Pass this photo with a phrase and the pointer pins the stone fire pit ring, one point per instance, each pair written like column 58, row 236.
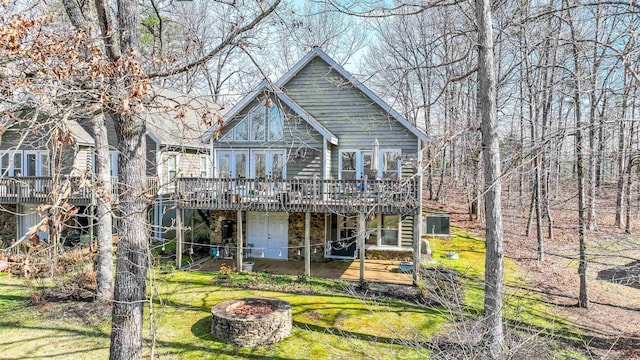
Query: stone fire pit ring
column 251, row 321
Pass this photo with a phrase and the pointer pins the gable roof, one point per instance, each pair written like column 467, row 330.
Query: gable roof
column 316, row 52
column 264, row 85
column 177, row 120
column 31, row 108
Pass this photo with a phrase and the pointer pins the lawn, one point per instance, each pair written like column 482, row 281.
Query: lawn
column 324, row 326
column 327, row 324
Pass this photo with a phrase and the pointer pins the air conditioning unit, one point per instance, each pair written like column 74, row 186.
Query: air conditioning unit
column 437, row 224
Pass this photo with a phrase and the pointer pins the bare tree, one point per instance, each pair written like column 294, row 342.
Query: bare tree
column 487, row 84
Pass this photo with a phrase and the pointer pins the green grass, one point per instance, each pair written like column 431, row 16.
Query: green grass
column 523, row 308
column 327, row 323
column 325, row 326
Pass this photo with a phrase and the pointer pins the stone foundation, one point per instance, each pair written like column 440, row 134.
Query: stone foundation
column 251, row 330
column 389, row 255
column 8, row 225
column 216, row 217
column 296, row 237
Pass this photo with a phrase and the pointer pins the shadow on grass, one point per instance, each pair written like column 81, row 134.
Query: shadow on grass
column 202, row 330
column 354, row 335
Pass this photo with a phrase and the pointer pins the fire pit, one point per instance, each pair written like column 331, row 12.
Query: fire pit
column 251, row 321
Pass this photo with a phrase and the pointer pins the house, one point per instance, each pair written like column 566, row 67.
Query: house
column 314, row 164
column 175, row 124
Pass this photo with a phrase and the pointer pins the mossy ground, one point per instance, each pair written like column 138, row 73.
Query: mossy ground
column 327, row 323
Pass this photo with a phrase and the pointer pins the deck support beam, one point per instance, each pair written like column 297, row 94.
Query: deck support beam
column 307, row 244
column 361, row 236
column 179, row 237
column 239, row 240
column 417, row 233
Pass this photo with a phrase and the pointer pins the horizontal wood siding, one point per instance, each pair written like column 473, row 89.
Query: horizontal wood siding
column 151, row 157
column 306, row 166
column 345, row 111
column 24, row 139
column 327, row 161
column 188, row 164
column 81, row 160
column 407, row 231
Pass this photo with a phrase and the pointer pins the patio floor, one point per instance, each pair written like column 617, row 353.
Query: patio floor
column 375, row 270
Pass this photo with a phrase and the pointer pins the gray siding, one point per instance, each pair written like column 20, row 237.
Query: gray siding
column 346, row 112
column 407, row 231
column 305, row 167
column 21, row 140
column 151, row 157
column 188, row 163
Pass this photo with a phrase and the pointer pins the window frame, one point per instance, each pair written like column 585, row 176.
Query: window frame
column 381, row 163
column 176, row 156
column 233, row 166
column 10, row 170
column 206, row 161
column 260, row 111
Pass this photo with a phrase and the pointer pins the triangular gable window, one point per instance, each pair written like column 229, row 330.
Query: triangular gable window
column 263, row 123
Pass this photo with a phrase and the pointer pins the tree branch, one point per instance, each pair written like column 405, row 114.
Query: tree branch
column 225, row 42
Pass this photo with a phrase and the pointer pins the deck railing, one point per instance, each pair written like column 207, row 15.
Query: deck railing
column 299, row 195
column 40, row 189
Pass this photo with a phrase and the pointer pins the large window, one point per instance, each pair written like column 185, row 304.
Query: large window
column 383, row 231
column 231, row 164
column 390, row 230
column 257, row 164
column 263, row 123
column 391, row 163
column 25, row 163
column 356, row 164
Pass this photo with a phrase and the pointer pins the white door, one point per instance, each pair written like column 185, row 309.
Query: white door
column 268, row 233
column 270, row 164
column 28, row 219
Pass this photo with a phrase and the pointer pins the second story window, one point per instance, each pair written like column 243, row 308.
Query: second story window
column 205, row 169
column 391, row 164
column 263, row 123
column 11, row 163
column 172, row 167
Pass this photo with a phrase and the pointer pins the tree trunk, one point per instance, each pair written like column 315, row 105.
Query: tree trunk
column 103, row 225
column 104, row 260
column 621, row 158
column 628, row 189
column 133, row 249
column 494, row 337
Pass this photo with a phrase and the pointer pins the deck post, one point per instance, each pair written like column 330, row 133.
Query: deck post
column 178, row 237
column 361, row 236
column 307, row 244
column 239, row 240
column 417, row 232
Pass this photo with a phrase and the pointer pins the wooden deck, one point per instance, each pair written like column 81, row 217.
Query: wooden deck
column 384, row 271
column 38, row 190
column 388, row 196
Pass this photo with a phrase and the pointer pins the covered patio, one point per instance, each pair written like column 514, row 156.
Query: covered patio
column 385, row 271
